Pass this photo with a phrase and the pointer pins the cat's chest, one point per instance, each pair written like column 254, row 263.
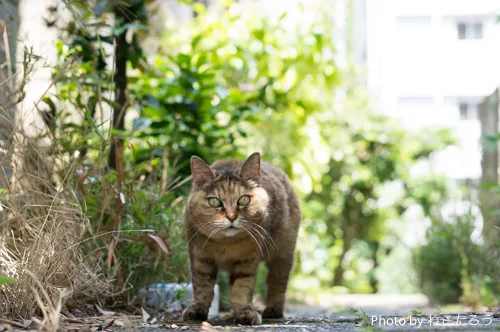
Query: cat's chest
column 226, row 256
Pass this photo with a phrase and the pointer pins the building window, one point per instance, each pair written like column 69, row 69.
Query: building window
column 461, row 30
column 468, row 111
column 478, row 31
column 470, row 30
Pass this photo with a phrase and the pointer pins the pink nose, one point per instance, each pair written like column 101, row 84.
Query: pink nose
column 231, row 217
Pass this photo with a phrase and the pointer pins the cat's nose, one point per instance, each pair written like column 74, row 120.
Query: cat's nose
column 231, row 216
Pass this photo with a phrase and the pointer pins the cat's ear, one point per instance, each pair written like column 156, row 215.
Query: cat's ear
column 251, row 168
column 202, row 173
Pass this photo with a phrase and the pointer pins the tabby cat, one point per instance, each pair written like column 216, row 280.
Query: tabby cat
column 239, row 213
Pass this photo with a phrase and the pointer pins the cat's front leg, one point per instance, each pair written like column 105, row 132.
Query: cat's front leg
column 277, row 281
column 203, row 277
column 242, row 281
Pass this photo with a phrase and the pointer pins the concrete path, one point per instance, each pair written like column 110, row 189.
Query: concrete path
column 441, row 322
column 348, row 312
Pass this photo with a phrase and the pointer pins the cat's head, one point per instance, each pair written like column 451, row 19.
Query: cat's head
column 226, row 199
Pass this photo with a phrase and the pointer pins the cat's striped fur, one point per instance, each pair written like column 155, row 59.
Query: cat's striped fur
column 236, row 237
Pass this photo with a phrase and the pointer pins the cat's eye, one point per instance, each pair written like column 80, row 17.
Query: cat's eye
column 244, row 200
column 214, row 202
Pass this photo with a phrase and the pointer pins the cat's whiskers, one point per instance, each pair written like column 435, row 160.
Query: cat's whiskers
column 266, row 242
column 213, row 233
column 199, row 230
column 268, row 235
column 256, row 233
column 253, row 237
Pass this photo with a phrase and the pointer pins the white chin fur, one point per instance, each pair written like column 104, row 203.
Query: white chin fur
column 231, row 231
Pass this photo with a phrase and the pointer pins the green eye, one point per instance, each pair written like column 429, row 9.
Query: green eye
column 214, row 202
column 244, row 200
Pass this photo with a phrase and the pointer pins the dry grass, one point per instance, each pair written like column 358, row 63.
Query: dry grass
column 41, row 221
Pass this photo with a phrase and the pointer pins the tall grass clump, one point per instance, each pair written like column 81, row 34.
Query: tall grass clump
column 41, row 220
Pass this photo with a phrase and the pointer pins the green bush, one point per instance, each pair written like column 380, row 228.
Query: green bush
column 218, row 87
column 448, row 260
column 199, row 97
column 135, row 210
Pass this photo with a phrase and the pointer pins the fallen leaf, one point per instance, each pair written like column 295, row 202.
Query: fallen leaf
column 119, row 323
column 109, row 323
column 145, row 315
column 104, row 312
column 206, row 326
column 153, row 320
column 27, row 322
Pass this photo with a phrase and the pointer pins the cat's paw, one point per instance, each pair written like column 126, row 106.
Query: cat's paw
column 270, row 312
column 247, row 317
column 194, row 314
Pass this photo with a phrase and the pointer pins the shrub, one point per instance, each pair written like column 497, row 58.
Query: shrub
column 448, row 260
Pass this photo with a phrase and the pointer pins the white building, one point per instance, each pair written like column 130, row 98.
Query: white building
column 430, row 62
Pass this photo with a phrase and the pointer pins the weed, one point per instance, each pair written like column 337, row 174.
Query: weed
column 415, row 312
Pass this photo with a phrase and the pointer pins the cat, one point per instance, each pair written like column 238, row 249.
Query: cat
column 238, row 214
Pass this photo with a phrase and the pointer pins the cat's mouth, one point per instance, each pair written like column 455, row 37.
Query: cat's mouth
column 231, row 231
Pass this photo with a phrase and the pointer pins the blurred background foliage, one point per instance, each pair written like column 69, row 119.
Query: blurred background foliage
column 227, row 84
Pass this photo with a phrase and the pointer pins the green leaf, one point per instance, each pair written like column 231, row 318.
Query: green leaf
column 195, row 41
column 415, row 312
column 51, row 104
column 154, row 113
column 6, row 280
